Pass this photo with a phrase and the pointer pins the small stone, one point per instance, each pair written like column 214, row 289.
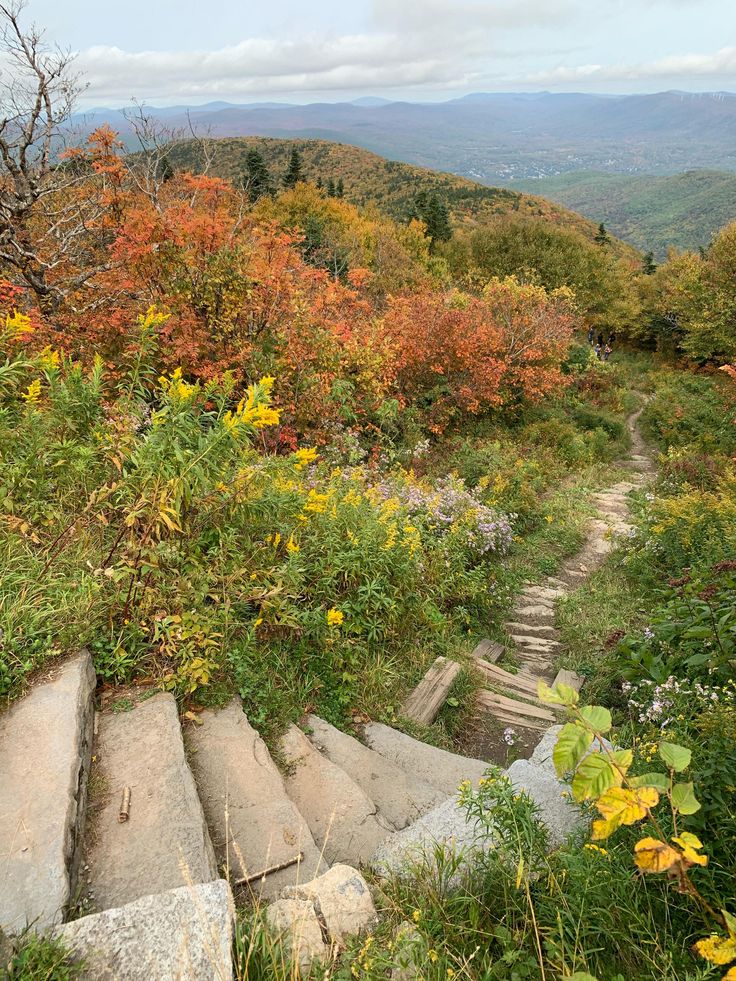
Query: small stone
column 183, row 933
column 342, row 900
column 294, row 924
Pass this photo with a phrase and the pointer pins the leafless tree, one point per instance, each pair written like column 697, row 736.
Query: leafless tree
column 48, row 233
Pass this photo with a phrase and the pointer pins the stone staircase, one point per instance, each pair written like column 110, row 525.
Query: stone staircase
column 148, row 830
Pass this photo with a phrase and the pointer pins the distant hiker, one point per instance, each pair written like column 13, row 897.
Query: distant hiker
column 612, row 338
column 607, row 352
column 598, row 350
column 591, row 335
column 600, row 340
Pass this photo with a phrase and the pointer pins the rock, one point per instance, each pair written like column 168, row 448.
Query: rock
column 164, row 843
column 343, row 820
column 555, row 807
column 45, row 745
column 534, row 610
column 400, row 796
column 544, row 592
column 341, row 899
column 294, row 924
column 409, row 953
column 443, row 770
column 254, row 824
column 182, row 933
column 569, row 678
column 542, row 755
column 530, row 628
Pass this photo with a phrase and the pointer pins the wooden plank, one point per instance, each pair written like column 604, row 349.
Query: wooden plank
column 511, row 719
column 526, row 684
column 513, row 706
column 569, row 678
column 488, row 650
column 424, row 703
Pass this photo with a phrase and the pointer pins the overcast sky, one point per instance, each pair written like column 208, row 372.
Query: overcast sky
column 173, row 51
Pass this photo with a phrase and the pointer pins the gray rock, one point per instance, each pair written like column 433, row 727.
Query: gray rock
column 294, row 924
column 182, row 933
column 254, row 823
column 542, row 755
column 401, row 797
column 341, row 900
column 443, row 770
column 45, row 744
column 343, row 820
column 164, row 843
column 556, row 809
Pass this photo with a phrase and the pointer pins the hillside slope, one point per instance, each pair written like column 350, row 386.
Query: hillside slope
column 651, row 212
column 389, row 185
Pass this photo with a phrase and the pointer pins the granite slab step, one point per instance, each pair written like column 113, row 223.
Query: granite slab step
column 164, row 843
column 401, row 797
column 438, row 767
column 344, row 821
column 254, row 823
column 45, row 747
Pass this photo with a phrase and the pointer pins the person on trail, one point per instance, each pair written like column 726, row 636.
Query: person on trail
column 600, row 339
column 598, row 350
column 612, row 338
column 591, row 335
column 607, row 352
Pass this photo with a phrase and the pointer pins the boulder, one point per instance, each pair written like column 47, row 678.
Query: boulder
column 341, row 900
column 293, row 923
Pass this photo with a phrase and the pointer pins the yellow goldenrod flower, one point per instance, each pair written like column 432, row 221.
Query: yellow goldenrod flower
column 291, row 545
column 335, row 618
column 304, row 457
column 18, row 324
column 49, row 358
column 32, row 393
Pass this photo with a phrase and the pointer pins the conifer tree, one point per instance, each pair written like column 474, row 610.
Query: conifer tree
column 294, row 174
column 648, row 265
column 330, row 188
column 257, row 177
column 602, row 237
column 340, row 188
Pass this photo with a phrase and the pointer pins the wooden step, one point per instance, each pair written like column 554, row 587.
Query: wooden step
column 164, row 843
column 512, row 706
column 45, row 746
column 488, row 650
column 525, row 684
column 424, row 703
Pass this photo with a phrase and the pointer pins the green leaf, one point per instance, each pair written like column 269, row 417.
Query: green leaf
column 676, row 757
column 597, row 717
column 571, row 745
column 594, row 776
column 623, row 758
column 683, row 798
column 660, row 781
column 579, row 976
column 559, row 694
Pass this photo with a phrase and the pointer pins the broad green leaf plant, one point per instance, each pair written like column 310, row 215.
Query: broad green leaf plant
column 600, row 775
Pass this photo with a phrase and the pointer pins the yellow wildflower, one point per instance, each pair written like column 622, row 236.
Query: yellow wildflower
column 258, row 622
column 291, row 545
column 316, row 502
column 335, row 618
column 416, row 915
column 32, row 393
column 18, row 324
column 49, row 358
column 304, row 457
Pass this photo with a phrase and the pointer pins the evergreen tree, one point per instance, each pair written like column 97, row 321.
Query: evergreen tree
column 257, row 177
column 648, row 265
column 435, row 215
column 330, row 188
column 340, row 188
column 602, row 237
column 319, row 184
column 165, row 170
column 294, row 172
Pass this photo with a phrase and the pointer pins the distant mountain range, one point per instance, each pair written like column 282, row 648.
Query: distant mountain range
column 496, row 138
column 651, row 212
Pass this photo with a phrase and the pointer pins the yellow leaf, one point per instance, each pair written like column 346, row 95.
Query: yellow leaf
column 717, row 950
column 619, row 805
column 655, row 856
column 689, row 843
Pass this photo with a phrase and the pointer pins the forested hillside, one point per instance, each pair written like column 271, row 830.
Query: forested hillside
column 653, row 213
column 367, row 179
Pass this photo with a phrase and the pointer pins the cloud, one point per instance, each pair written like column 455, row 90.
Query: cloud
column 718, row 64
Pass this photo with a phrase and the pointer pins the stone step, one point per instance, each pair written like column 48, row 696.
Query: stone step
column 164, row 843
column 535, row 612
column 538, row 643
column 534, row 600
column 511, row 706
column 449, row 826
column 530, row 628
column 569, row 678
column 182, row 933
column 343, row 820
column 424, row 703
column 544, row 593
column 254, row 824
column 442, row 769
column 489, row 650
column 523, row 683
column 400, row 796
column 45, row 746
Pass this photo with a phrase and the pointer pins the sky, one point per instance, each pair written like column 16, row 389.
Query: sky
column 168, row 52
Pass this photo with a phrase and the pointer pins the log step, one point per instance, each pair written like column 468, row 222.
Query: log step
column 523, row 683
column 512, row 706
column 424, row 703
column 488, row 650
